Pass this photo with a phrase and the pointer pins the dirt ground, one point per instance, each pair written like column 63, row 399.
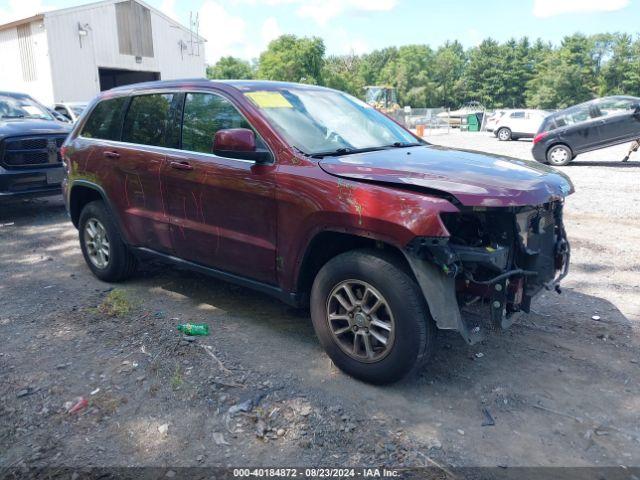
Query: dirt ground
column 561, row 385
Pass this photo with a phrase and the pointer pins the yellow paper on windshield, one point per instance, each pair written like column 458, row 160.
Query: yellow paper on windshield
column 265, row 99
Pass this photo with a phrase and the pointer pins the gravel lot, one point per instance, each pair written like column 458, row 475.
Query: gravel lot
column 561, row 384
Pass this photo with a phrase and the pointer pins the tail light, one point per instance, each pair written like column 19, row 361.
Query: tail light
column 539, row 137
column 63, row 155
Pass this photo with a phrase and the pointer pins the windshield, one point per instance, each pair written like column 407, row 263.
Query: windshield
column 22, row 107
column 317, row 121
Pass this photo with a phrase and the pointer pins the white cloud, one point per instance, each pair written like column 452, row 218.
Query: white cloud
column 321, row 11
column 19, row 9
column 270, row 30
column 374, row 5
column 225, row 33
column 168, row 7
column 341, row 41
column 550, row 8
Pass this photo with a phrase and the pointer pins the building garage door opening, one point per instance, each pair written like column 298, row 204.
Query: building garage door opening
column 111, row 77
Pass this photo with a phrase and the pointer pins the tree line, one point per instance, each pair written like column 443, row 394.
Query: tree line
column 515, row 73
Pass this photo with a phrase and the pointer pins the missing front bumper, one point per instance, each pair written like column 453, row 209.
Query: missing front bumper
column 521, row 253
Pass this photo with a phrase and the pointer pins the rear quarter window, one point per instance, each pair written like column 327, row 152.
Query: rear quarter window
column 105, row 121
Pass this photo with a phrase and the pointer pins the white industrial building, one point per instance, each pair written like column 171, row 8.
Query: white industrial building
column 72, row 54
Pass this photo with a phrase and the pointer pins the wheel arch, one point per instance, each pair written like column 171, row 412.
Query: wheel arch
column 437, row 288
column 83, row 192
column 327, row 244
column 557, row 143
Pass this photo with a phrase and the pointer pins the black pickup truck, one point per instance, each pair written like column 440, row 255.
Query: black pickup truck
column 30, row 141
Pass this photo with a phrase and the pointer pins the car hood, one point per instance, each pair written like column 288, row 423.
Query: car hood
column 474, row 179
column 9, row 128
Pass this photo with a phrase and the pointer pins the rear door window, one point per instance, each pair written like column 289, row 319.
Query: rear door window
column 517, row 115
column 574, row 115
column 105, row 121
column 204, row 115
column 149, row 120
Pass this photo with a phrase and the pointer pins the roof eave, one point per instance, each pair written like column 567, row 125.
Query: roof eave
column 22, row 21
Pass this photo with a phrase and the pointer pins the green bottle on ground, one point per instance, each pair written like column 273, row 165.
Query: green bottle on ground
column 194, row 328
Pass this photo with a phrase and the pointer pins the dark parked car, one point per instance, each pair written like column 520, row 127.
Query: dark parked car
column 600, row 123
column 30, row 141
column 313, row 196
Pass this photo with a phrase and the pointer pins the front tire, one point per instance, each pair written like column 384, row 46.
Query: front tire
column 559, row 155
column 371, row 317
column 504, row 134
column 102, row 247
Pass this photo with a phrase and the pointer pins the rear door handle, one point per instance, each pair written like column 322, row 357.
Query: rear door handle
column 181, row 165
column 110, row 154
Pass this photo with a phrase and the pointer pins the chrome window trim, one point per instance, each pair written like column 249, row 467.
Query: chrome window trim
column 153, row 148
column 175, row 90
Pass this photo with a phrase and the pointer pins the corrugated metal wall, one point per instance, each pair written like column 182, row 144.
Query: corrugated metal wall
column 24, row 61
column 27, row 57
column 75, row 60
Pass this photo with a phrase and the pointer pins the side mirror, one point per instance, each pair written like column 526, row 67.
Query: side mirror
column 239, row 143
column 60, row 117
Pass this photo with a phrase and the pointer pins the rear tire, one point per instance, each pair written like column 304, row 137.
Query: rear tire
column 401, row 319
column 559, row 155
column 102, row 247
column 504, row 134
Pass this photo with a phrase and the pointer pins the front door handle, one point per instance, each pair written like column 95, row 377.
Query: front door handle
column 110, row 154
column 181, row 165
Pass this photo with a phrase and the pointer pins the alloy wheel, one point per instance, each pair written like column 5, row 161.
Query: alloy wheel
column 97, row 243
column 360, row 321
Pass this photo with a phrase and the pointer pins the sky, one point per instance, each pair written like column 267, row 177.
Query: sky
column 243, row 28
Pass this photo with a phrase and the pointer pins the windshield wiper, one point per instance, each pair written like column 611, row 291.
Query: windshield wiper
column 346, row 151
column 300, row 151
column 11, row 116
column 405, row 144
column 349, row 150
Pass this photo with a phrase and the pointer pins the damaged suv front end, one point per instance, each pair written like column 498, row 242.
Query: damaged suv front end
column 496, row 259
column 505, row 241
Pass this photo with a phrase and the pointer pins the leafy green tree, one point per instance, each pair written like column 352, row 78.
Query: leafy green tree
column 508, row 74
column 621, row 74
column 373, row 63
column 485, row 73
column 566, row 76
column 342, row 72
column 448, row 74
column 409, row 74
column 292, row 59
column 230, row 68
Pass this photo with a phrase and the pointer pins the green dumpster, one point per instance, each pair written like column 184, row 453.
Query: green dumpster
column 473, row 123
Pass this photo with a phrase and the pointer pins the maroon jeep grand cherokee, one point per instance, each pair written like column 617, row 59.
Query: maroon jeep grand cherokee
column 312, row 196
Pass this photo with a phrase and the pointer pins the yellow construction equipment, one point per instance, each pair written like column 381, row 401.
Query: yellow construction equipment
column 382, row 97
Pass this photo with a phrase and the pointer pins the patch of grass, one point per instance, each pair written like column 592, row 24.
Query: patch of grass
column 116, row 304
column 176, row 379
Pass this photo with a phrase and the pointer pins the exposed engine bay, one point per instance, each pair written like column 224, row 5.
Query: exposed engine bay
column 500, row 258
